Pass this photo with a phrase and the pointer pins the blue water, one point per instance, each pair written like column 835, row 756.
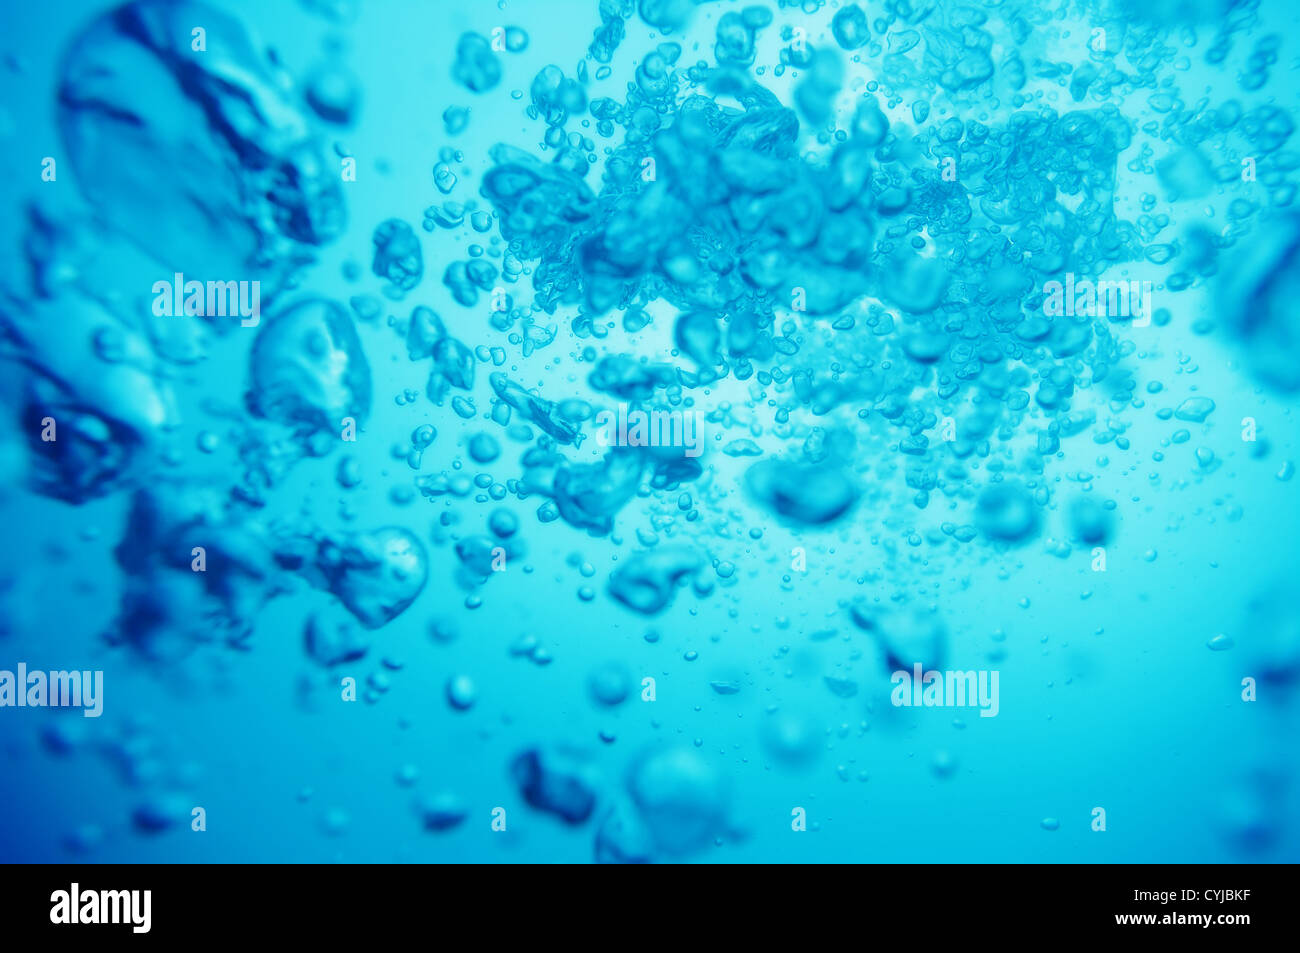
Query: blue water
column 370, row 575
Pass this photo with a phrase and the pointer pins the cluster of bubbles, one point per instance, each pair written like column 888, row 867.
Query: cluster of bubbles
column 871, row 277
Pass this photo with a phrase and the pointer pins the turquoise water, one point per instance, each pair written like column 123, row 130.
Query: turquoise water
column 370, row 574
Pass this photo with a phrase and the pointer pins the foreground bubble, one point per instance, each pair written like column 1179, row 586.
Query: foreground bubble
column 194, row 568
column 622, row 838
column 1007, row 512
column 442, row 812
column 907, row 635
column 681, row 798
column 556, row 781
column 308, row 370
column 217, row 141
column 792, row 738
column 808, row 494
column 1090, row 520
column 1256, row 295
column 647, row 581
column 93, row 396
column 398, row 256
column 476, row 66
column 609, row 684
column 376, row 575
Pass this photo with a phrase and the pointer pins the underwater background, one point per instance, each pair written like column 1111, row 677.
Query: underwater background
column 370, row 580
